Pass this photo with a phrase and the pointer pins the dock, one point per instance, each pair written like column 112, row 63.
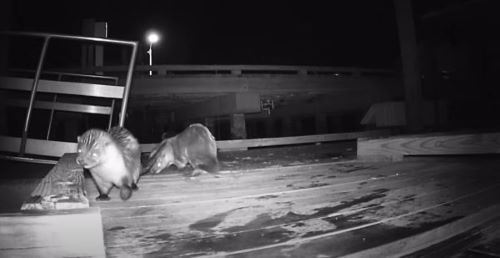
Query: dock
column 326, row 209
column 316, row 200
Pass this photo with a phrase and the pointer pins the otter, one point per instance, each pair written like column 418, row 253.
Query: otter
column 113, row 158
column 194, row 146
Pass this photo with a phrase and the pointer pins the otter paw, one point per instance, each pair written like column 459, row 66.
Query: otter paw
column 196, row 172
column 102, row 197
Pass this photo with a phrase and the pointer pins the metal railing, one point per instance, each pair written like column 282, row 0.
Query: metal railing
column 250, row 70
column 46, row 39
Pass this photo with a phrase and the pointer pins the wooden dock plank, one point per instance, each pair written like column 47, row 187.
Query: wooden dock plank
column 62, row 188
column 276, row 217
column 222, row 215
column 255, row 239
column 395, row 148
column 69, row 233
column 252, row 183
column 356, row 234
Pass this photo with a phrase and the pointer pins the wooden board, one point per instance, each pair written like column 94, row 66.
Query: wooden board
column 220, row 106
column 329, row 209
column 63, row 87
column 424, row 240
column 277, row 141
column 62, row 188
column 395, row 148
column 71, row 233
column 37, row 146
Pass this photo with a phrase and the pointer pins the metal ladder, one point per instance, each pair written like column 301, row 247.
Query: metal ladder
column 47, row 147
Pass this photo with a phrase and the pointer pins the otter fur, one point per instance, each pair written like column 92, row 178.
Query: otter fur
column 194, row 146
column 113, row 158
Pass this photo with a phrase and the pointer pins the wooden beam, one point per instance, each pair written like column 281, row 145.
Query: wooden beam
column 62, row 188
column 265, row 142
column 70, row 233
column 219, row 70
column 409, row 58
column 395, row 148
column 63, row 87
column 264, row 84
column 70, row 107
column 37, row 146
column 223, row 105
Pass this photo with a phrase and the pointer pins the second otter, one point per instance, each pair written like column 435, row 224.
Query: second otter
column 195, row 145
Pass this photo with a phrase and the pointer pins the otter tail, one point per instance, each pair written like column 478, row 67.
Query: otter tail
column 125, row 189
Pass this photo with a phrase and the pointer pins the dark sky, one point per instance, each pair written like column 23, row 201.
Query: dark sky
column 341, row 33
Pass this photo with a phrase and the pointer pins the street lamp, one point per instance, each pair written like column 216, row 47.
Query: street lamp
column 152, row 37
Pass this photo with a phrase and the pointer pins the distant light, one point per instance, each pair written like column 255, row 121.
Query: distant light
column 153, row 37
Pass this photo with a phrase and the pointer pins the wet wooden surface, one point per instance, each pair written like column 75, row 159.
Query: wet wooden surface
column 52, row 233
column 62, row 188
column 323, row 206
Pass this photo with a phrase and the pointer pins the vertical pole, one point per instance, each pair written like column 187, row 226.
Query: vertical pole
column 33, row 94
column 110, row 122
column 409, row 58
column 127, row 85
column 150, row 52
column 54, row 100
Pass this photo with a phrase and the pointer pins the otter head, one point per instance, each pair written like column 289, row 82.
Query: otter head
column 90, row 148
column 161, row 158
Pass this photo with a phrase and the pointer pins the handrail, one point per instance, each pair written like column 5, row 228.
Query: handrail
column 164, row 70
column 67, row 36
column 46, row 37
column 61, row 74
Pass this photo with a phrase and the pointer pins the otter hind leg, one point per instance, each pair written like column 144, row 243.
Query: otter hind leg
column 126, row 188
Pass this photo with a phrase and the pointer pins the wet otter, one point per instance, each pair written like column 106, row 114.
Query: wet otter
column 195, row 145
column 113, row 158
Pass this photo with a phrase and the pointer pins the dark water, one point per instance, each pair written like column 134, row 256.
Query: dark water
column 17, row 181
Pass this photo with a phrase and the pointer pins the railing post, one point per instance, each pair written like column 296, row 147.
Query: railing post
column 127, row 86
column 33, row 95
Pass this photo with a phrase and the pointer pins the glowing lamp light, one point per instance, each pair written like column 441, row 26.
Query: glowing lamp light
column 152, row 38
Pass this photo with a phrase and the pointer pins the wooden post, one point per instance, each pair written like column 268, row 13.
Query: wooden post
column 87, row 49
column 93, row 55
column 100, row 30
column 409, row 58
column 238, row 127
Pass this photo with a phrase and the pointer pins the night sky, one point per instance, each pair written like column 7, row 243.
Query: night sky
column 330, row 33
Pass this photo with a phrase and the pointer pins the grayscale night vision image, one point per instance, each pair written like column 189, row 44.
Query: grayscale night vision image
column 362, row 128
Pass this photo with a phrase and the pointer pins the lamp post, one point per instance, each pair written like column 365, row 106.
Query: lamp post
column 152, row 37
